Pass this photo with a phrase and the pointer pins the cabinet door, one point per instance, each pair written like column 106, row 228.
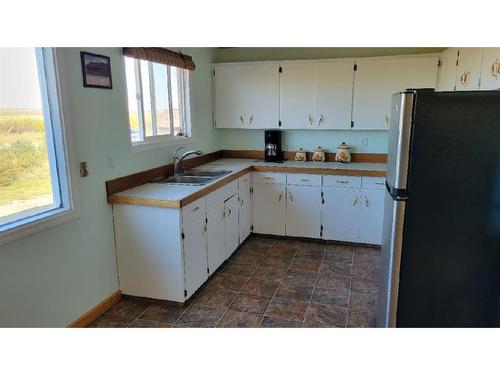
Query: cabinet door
column 490, row 72
column 297, row 95
column 247, row 96
column 372, row 215
column 268, row 209
column 469, row 68
column 244, row 214
column 374, row 83
column 303, row 211
column 416, row 72
column 216, row 245
column 448, row 70
column 195, row 254
column 334, row 84
column 340, row 214
column 231, row 229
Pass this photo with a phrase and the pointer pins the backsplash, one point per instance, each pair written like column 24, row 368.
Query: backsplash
column 242, row 139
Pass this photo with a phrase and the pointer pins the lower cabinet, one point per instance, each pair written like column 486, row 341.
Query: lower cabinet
column 303, row 209
column 195, row 254
column 340, row 214
column 353, row 215
column 269, row 209
column 216, row 249
column 231, row 228
column 371, row 218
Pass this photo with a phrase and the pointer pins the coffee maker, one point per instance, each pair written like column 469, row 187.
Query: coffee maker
column 272, row 148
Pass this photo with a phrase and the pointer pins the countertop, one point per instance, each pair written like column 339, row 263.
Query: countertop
column 175, row 196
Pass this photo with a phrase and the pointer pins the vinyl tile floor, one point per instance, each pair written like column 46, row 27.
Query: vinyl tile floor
column 270, row 282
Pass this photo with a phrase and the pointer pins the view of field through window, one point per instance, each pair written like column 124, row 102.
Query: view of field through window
column 25, row 181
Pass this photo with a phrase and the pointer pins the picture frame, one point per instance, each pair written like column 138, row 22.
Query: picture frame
column 96, row 70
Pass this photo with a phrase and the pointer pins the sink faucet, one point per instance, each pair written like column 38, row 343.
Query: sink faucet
column 178, row 160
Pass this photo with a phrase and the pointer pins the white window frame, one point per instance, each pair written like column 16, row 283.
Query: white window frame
column 59, row 144
column 185, row 100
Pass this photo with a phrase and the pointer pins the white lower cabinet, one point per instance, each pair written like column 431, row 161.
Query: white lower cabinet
column 195, row 254
column 371, row 216
column 231, row 229
column 216, row 248
column 269, row 209
column 303, row 209
column 340, row 214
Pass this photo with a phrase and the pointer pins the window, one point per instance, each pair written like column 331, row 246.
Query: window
column 158, row 100
column 34, row 179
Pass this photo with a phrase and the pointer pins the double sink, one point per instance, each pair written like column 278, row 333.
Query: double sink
column 194, row 177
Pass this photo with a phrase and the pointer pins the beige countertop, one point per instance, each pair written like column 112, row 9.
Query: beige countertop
column 174, row 196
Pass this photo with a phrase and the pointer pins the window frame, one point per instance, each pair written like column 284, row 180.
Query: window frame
column 59, row 146
column 185, row 104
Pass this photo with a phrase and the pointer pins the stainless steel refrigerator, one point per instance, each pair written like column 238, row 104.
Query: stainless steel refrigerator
column 440, row 261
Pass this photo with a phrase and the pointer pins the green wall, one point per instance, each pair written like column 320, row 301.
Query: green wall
column 309, row 139
column 52, row 277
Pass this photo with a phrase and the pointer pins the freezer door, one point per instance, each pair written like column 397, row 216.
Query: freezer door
column 390, row 261
column 399, row 140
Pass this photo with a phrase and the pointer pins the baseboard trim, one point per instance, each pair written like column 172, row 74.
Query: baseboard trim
column 97, row 311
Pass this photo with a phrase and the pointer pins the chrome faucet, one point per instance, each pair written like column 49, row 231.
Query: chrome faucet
column 178, row 160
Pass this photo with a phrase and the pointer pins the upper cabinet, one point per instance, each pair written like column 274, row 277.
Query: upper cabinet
column 469, row 69
column 376, row 80
column 316, row 95
column 246, row 96
column 465, row 69
column 490, row 72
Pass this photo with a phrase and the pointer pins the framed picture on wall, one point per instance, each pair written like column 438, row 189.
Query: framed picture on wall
column 96, row 70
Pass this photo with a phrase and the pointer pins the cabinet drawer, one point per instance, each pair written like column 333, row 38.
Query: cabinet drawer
column 222, row 194
column 342, row 181
column 303, row 179
column 244, row 182
column 260, row 178
column 193, row 210
column 373, row 183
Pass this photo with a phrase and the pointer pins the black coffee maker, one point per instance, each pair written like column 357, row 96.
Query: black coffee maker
column 272, row 146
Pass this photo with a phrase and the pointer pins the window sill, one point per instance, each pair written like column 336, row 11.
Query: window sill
column 28, row 226
column 158, row 143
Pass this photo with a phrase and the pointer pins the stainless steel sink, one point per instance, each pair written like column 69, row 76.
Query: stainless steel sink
column 194, row 177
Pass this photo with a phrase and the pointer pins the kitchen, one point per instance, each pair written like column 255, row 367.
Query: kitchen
column 343, row 176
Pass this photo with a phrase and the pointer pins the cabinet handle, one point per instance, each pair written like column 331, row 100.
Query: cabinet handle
column 241, row 202
column 204, row 229
column 223, row 214
column 495, row 68
column 195, row 209
column 280, row 196
column 229, row 212
column 355, row 201
column 305, row 179
column 386, row 119
column 366, row 201
column 321, row 119
column 268, row 178
column 250, row 120
column 291, row 196
column 311, row 120
column 242, row 120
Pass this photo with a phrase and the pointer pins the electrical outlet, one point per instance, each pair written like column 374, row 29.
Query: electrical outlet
column 364, row 142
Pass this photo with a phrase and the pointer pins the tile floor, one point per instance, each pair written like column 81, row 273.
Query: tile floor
column 270, row 282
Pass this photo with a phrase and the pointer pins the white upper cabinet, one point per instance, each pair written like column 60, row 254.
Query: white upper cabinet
column 490, row 72
column 448, row 71
column 374, row 83
column 334, row 84
column 246, row 96
column 316, row 95
column 377, row 80
column 298, row 95
column 469, row 69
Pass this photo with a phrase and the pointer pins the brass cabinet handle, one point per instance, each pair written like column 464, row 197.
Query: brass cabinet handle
column 291, row 196
column 305, row 179
column 229, row 212
column 495, row 69
column 241, row 202
column 311, row 120
column 366, row 201
column 355, row 201
column 280, row 196
column 223, row 213
column 342, row 182
column 250, row 120
column 386, row 119
column 242, row 119
column 268, row 178
column 321, row 119
column 195, row 209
